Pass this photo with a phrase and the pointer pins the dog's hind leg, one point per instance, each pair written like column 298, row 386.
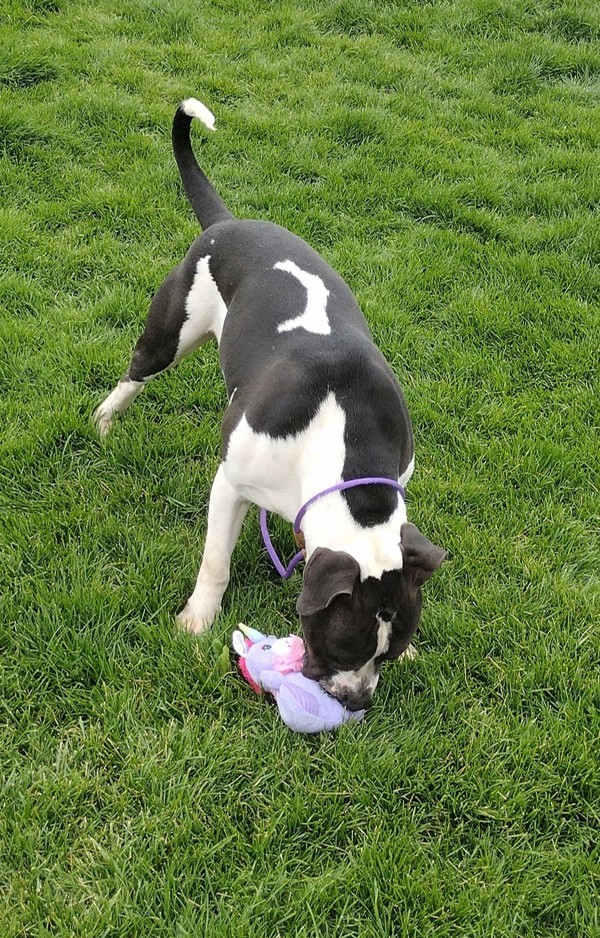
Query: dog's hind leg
column 117, row 401
column 183, row 315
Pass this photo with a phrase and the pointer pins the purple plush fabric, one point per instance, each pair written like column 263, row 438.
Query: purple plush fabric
column 274, row 664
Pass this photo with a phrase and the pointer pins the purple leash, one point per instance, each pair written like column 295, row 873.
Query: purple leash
column 286, row 572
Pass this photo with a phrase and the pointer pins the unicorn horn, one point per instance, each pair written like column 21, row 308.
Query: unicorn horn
column 251, row 634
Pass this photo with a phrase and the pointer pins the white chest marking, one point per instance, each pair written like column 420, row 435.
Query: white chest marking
column 205, row 309
column 406, row 475
column 314, row 318
column 280, row 474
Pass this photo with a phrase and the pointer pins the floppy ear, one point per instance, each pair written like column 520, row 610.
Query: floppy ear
column 328, row 573
column 421, row 557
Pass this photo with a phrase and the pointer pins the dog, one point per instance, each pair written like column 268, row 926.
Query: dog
column 312, row 403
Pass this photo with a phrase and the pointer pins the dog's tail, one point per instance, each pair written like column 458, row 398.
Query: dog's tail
column 204, row 199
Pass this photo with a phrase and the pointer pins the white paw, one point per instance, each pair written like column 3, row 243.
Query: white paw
column 197, row 619
column 409, row 654
column 103, row 418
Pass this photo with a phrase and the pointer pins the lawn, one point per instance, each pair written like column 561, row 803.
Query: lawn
column 444, row 157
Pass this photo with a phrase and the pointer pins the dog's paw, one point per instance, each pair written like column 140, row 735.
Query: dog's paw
column 409, row 654
column 197, row 620
column 103, row 419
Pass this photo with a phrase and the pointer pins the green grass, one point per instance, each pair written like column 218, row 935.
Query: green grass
column 444, row 157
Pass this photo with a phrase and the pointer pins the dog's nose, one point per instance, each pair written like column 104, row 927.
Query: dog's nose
column 357, row 701
column 353, row 698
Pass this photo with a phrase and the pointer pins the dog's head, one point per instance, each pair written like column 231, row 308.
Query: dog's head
column 351, row 626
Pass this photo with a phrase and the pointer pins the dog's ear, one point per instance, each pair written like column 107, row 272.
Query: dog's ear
column 328, row 573
column 421, row 557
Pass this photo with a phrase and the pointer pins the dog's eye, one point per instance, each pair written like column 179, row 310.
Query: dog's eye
column 266, row 648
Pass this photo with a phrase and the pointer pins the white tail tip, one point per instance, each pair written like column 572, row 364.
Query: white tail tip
column 194, row 108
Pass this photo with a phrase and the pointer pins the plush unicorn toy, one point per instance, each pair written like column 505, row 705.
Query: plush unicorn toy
column 274, row 665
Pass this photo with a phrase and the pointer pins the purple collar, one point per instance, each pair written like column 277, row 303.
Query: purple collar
column 286, row 572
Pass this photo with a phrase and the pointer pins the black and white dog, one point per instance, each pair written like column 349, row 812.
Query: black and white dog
column 312, row 402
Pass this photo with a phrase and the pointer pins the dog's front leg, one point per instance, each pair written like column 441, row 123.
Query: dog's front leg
column 226, row 513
